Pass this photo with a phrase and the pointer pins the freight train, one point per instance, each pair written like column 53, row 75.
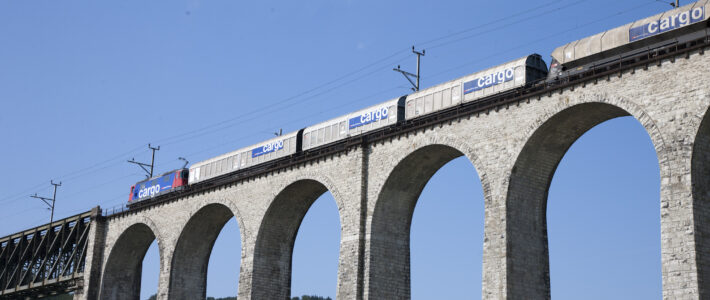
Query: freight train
column 633, row 41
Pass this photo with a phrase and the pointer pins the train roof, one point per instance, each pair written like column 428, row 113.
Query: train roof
column 620, row 36
column 516, row 62
column 161, row 175
column 244, row 149
column 347, row 116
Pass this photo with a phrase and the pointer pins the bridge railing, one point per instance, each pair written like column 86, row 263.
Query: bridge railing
column 114, row 210
column 44, row 260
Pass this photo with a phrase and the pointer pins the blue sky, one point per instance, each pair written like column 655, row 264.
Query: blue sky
column 87, row 85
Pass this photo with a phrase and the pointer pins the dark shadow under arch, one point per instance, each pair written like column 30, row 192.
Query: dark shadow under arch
column 700, row 177
column 527, row 259
column 271, row 278
column 122, row 274
column 188, row 272
column 389, row 253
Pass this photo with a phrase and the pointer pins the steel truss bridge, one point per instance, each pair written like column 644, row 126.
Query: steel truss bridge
column 44, row 260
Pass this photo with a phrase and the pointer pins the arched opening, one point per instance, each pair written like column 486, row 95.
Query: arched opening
column 225, row 262
column 527, row 258
column 603, row 216
column 391, row 225
column 150, row 273
column 123, row 270
column 193, row 250
column 273, row 253
column 316, row 250
column 448, row 223
column 700, row 177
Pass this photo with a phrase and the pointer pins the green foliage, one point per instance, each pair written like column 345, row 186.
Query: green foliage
column 154, row 297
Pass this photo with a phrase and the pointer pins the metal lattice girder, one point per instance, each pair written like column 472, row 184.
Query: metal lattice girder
column 45, row 259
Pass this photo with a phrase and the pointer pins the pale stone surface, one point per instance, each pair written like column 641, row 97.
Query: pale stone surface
column 515, row 150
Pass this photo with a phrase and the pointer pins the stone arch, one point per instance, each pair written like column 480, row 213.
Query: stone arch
column 700, row 178
column 191, row 254
column 527, row 259
column 389, row 230
column 273, row 250
column 123, row 270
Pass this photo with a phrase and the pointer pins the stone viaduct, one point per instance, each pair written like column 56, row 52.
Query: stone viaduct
column 515, row 149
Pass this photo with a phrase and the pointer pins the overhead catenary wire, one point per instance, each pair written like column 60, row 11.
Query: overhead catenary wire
column 198, row 132
column 536, row 40
column 385, row 60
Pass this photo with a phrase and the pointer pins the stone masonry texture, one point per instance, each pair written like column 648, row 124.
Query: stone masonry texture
column 515, row 150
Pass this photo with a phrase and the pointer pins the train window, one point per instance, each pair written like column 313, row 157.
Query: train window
column 227, row 165
column 306, row 139
column 218, row 166
column 428, row 103
column 343, row 129
column 327, row 134
column 203, row 171
column 236, row 162
column 321, row 135
column 420, row 106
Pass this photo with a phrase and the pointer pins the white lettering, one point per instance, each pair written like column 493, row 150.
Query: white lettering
column 509, row 74
column 697, row 13
column 149, row 191
column 652, row 27
column 684, row 18
column 673, row 18
column 664, row 24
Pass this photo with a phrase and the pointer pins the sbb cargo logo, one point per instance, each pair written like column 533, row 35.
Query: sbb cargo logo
column 268, row 148
column 369, row 117
column 668, row 23
column 488, row 81
column 149, row 191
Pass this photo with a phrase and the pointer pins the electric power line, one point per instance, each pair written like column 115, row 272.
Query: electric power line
column 82, row 172
column 537, row 40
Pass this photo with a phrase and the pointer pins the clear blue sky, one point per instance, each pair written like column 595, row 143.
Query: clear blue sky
column 87, row 85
